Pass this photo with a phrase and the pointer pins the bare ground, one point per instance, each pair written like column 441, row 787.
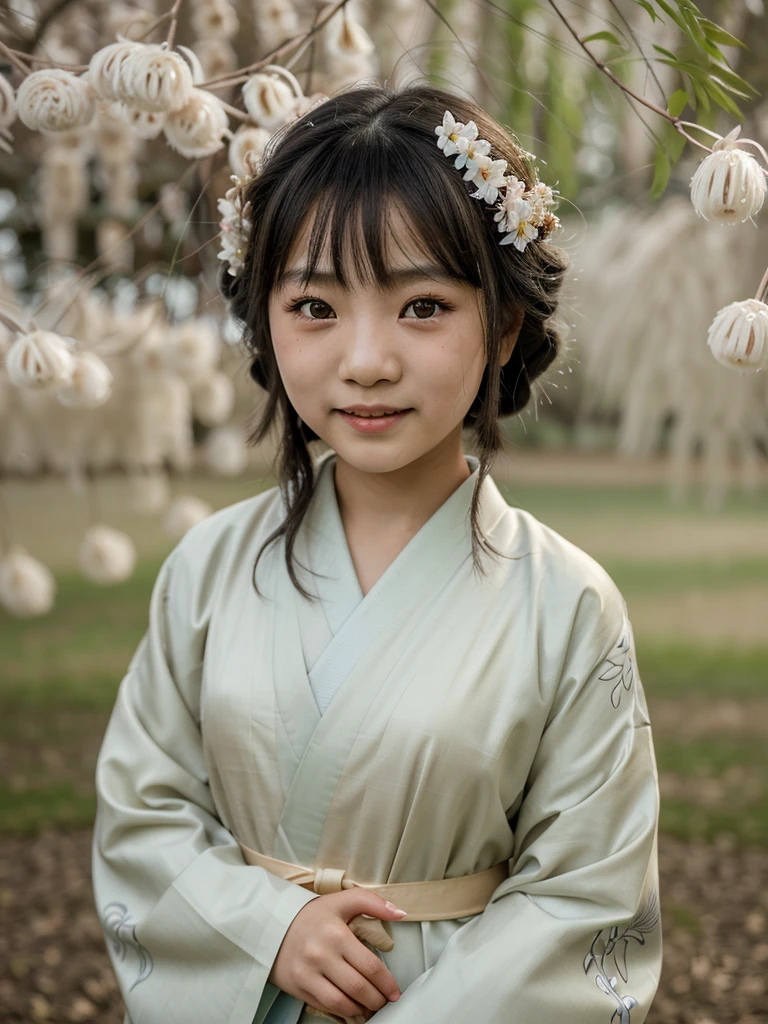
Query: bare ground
column 54, row 967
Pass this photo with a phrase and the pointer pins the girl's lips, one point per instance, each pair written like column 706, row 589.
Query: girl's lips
column 373, row 424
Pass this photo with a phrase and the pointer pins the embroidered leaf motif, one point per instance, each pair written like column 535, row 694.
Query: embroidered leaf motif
column 120, row 929
column 619, row 665
column 615, row 946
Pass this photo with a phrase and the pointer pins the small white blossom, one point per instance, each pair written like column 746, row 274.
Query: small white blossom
column 488, row 175
column 269, row 100
column 154, row 79
column 729, row 185
column 448, row 133
column 469, row 148
column 235, row 227
column 738, row 336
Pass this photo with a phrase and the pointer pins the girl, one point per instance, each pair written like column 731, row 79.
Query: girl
column 379, row 683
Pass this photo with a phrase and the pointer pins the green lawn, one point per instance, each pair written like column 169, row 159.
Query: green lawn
column 59, row 674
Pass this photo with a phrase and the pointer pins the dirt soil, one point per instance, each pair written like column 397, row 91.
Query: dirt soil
column 54, row 965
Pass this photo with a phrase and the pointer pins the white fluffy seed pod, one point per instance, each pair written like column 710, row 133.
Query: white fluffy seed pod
column 41, row 359
column 183, row 513
column 27, row 587
column 729, row 185
column 345, row 37
column 91, row 383
column 192, row 350
column 215, row 19
column 738, row 336
column 270, row 101
column 275, row 21
column 247, row 145
column 154, row 79
column 144, row 124
column 7, row 103
column 197, row 129
column 225, row 452
column 54, row 100
column 106, row 555
column 148, row 493
column 213, row 399
column 106, row 68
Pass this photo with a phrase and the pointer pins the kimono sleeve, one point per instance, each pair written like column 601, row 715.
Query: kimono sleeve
column 192, row 930
column 574, row 934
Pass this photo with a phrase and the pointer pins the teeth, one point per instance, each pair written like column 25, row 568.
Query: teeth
column 374, row 415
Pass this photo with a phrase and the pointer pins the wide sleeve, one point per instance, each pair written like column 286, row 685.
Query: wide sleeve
column 192, row 930
column 573, row 936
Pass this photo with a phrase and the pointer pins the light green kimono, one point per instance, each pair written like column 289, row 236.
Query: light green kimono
column 440, row 724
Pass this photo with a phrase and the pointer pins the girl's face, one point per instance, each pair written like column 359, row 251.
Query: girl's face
column 418, row 349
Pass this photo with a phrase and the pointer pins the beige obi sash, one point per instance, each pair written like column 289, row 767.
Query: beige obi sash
column 438, row 900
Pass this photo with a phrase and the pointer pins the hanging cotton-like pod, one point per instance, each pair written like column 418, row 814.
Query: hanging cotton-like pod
column 346, row 38
column 91, row 383
column 738, row 336
column 106, row 555
column 269, row 99
column 225, row 452
column 183, row 513
column 215, row 19
column 155, row 79
column 54, row 100
column 729, row 185
column 106, row 68
column 144, row 124
column 246, row 149
column 27, row 587
column 213, row 399
column 217, row 57
column 274, row 21
column 197, row 129
column 41, row 359
column 148, row 493
column 193, row 349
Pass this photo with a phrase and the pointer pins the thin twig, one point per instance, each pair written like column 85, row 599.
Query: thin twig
column 241, row 114
column 636, row 41
column 763, row 286
column 45, row 20
column 17, row 62
column 155, row 24
column 174, row 21
column 31, row 59
column 242, row 74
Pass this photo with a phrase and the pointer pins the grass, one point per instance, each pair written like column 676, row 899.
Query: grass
column 60, row 673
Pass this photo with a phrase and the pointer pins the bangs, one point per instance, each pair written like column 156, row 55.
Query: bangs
column 367, row 197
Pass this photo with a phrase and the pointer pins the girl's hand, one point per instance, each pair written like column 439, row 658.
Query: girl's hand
column 322, row 962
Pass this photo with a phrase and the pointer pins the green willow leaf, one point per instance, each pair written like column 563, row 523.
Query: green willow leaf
column 677, row 103
column 664, row 53
column 721, row 97
column 609, row 37
column 646, row 6
column 662, row 168
column 733, row 82
column 719, row 35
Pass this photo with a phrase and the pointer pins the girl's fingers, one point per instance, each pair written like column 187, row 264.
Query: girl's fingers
column 356, row 986
column 326, row 995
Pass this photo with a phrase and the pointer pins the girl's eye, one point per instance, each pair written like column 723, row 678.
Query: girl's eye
column 424, row 309
column 313, row 309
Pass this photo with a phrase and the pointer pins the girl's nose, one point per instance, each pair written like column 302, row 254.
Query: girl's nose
column 369, row 355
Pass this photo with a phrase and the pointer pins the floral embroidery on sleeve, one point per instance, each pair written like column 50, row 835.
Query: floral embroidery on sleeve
column 619, row 667
column 120, row 928
column 615, row 946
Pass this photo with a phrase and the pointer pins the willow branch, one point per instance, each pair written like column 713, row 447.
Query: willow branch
column 242, row 74
column 676, row 123
column 174, row 21
column 17, row 62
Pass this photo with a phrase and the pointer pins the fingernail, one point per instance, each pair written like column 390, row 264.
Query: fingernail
column 397, row 910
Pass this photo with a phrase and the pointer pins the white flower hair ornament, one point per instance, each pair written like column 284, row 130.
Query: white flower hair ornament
column 523, row 215
column 235, row 223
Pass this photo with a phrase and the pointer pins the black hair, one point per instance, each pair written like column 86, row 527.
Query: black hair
column 345, row 162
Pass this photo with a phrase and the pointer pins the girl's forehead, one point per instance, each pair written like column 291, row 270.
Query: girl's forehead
column 402, row 247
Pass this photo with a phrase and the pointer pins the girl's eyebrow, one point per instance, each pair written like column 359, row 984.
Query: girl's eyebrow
column 398, row 277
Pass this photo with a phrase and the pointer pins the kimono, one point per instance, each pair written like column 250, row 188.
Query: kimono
column 444, row 722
